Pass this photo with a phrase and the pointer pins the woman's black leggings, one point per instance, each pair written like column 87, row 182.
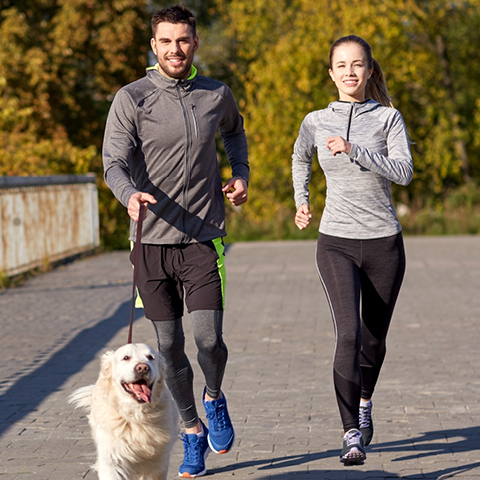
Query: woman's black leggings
column 362, row 279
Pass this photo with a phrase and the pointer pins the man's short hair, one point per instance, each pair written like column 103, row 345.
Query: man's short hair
column 176, row 14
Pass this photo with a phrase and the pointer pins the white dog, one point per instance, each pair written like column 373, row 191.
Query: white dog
column 133, row 419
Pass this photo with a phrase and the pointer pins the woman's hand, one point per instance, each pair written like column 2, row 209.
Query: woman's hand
column 303, row 216
column 338, row 145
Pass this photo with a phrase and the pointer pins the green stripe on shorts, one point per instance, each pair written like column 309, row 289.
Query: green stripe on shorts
column 220, row 248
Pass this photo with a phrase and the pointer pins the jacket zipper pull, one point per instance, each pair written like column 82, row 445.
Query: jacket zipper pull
column 195, row 121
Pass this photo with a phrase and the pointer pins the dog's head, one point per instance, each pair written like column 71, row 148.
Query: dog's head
column 135, row 369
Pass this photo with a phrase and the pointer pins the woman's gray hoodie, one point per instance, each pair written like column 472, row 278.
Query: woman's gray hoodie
column 358, row 203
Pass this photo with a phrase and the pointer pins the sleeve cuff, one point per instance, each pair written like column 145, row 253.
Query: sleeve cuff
column 353, row 151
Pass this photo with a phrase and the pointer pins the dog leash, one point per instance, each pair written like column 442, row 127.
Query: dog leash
column 136, row 253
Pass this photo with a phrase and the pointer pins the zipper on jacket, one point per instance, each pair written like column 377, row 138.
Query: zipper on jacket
column 187, row 161
column 350, row 121
column 195, row 124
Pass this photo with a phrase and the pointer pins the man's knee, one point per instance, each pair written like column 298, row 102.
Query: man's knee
column 211, row 345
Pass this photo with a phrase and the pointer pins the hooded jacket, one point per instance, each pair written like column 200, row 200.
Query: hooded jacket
column 358, row 203
column 160, row 139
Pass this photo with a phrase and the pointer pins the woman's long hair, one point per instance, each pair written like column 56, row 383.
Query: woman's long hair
column 376, row 85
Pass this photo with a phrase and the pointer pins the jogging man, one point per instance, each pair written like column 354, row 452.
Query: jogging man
column 159, row 150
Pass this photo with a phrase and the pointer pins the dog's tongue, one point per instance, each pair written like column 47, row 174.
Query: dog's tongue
column 141, row 391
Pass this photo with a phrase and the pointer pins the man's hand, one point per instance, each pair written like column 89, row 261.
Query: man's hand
column 303, row 216
column 137, row 199
column 338, row 145
column 236, row 191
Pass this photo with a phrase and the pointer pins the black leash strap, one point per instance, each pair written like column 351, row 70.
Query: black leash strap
column 136, row 253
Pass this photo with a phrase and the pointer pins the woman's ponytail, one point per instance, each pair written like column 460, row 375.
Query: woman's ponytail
column 377, row 87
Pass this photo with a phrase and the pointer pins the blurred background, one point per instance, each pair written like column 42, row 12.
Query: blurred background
column 62, row 61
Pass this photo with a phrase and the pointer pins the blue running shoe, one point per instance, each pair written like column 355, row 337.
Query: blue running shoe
column 221, row 435
column 196, row 450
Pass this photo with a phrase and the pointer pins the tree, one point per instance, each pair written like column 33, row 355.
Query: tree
column 61, row 62
column 427, row 51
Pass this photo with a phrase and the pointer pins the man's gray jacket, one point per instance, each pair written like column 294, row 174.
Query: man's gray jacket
column 160, row 139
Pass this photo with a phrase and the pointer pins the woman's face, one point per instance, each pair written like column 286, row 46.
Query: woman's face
column 350, row 71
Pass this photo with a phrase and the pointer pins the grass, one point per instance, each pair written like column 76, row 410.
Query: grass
column 458, row 214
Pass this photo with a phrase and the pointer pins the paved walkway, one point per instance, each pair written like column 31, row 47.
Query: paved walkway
column 279, row 379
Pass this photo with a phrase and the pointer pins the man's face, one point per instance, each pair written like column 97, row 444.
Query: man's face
column 174, row 46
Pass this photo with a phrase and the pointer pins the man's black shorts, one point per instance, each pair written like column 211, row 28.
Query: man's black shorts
column 168, row 274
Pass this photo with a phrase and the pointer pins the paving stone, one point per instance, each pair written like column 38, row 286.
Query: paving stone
column 278, row 382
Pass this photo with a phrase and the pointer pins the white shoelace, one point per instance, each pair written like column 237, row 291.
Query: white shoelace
column 353, row 437
column 365, row 414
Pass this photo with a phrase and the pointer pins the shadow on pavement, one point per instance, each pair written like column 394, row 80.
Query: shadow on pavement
column 29, row 391
column 427, row 444
column 433, row 443
column 369, row 474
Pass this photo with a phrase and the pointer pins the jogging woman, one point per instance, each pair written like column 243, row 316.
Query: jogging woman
column 362, row 146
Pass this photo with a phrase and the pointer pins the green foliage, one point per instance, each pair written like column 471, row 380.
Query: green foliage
column 4, row 281
column 459, row 213
column 61, row 62
column 428, row 51
column 242, row 228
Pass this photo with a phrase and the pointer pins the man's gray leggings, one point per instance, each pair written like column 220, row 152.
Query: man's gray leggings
column 212, row 358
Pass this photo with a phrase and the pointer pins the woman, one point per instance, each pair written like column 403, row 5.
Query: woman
column 362, row 146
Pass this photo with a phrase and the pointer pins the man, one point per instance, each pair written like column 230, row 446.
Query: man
column 159, row 150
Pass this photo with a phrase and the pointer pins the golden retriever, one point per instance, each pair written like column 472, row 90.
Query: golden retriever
column 132, row 415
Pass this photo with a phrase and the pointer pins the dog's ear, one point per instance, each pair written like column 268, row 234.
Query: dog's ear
column 106, row 364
